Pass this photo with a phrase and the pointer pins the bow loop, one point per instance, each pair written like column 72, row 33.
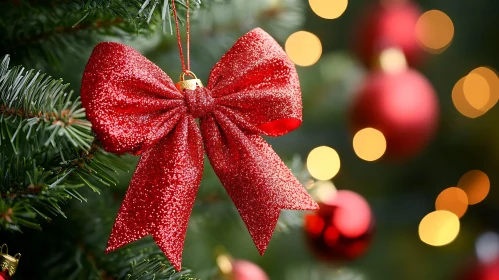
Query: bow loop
column 257, row 79
column 131, row 103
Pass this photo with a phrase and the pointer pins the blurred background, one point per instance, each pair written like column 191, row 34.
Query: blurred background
column 419, row 74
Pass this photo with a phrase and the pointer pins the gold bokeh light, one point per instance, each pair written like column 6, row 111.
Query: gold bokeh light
column 303, row 48
column 328, row 9
column 490, row 77
column 434, row 31
column 476, row 90
column 454, row 200
column 369, row 144
column 476, row 184
column 323, row 163
column 476, row 93
column 439, row 228
column 461, row 103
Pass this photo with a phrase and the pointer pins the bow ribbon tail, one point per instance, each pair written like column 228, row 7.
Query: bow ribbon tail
column 256, row 179
column 161, row 195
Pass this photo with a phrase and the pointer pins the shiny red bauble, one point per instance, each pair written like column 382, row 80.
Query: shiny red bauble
column 4, row 275
column 388, row 25
column 245, row 270
column 481, row 271
column 402, row 105
column 342, row 229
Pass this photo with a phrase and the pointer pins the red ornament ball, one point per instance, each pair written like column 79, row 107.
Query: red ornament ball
column 4, row 275
column 402, row 105
column 481, row 271
column 342, row 228
column 387, row 25
column 245, row 270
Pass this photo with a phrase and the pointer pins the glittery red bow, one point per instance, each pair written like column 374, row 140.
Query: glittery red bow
column 135, row 108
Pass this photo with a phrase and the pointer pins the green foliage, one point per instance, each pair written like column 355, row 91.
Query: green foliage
column 83, row 243
column 36, row 107
column 30, row 191
column 47, row 150
column 149, row 7
column 49, row 31
column 26, row 194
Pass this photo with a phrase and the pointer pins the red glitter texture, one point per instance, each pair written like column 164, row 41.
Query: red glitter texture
column 135, row 108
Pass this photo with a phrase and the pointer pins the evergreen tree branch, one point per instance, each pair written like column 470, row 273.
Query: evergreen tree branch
column 68, row 30
column 39, row 108
column 84, row 245
column 47, row 150
column 29, row 192
column 48, row 30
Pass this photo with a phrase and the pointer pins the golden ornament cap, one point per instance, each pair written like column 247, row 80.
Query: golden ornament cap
column 191, row 84
column 7, row 261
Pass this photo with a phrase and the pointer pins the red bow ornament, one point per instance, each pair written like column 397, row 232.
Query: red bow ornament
column 135, row 108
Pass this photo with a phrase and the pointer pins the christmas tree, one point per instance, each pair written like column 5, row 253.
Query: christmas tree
column 62, row 185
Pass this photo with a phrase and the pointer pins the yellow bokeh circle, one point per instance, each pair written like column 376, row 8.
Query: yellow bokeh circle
column 434, row 30
column 439, row 228
column 328, row 9
column 369, row 144
column 323, row 163
column 454, row 200
column 303, row 48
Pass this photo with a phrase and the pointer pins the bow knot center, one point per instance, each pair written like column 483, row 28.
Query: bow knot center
column 199, row 102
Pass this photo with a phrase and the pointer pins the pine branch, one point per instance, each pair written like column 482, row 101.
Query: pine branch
column 25, row 195
column 84, row 245
column 61, row 30
column 29, row 192
column 149, row 7
column 47, row 150
column 34, row 106
column 49, row 34
column 48, row 30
